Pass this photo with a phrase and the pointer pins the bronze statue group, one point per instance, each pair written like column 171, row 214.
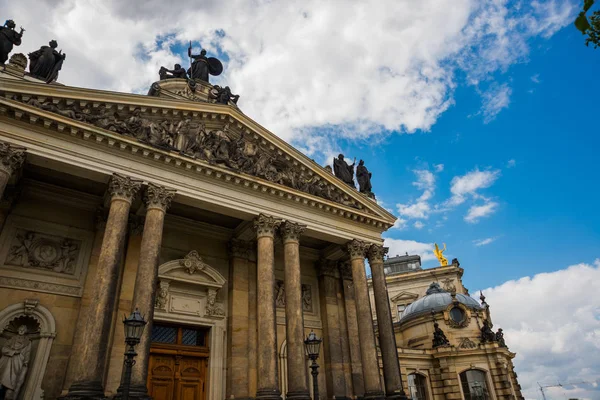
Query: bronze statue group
column 44, row 64
column 345, row 172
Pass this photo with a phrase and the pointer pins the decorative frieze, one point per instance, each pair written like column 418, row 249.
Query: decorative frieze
column 266, row 225
column 158, row 197
column 31, row 249
column 291, row 231
column 307, row 302
column 224, row 146
column 123, row 187
column 357, row 248
column 11, row 157
column 466, row 343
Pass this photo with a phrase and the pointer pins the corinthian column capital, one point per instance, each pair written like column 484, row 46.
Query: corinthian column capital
column 158, row 197
column 11, row 157
column 123, row 187
column 291, row 231
column 376, row 253
column 239, row 248
column 265, row 225
column 356, row 249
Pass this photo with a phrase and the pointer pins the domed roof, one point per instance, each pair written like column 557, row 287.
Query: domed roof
column 436, row 299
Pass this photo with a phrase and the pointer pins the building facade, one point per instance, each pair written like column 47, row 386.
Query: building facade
column 231, row 243
column 446, row 345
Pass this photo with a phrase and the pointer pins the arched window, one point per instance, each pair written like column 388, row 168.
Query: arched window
column 416, row 386
column 474, row 385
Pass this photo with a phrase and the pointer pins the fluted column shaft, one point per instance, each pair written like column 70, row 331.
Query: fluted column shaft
column 294, row 319
column 368, row 349
column 268, row 384
column 387, row 338
column 11, row 159
column 157, row 200
column 86, row 367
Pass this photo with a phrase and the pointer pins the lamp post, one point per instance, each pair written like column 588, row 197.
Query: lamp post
column 134, row 327
column 313, row 346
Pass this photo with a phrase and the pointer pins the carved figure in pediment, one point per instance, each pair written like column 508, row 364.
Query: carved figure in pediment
column 19, row 254
column 191, row 137
column 134, row 125
column 14, row 363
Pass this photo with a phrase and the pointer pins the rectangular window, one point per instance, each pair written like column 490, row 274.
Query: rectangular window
column 164, row 334
column 186, row 336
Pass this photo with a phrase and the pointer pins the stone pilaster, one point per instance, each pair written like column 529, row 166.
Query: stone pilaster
column 237, row 320
column 332, row 344
column 267, row 383
column 86, row 366
column 387, row 338
column 157, row 200
column 294, row 325
column 344, row 338
column 11, row 159
column 252, row 327
column 368, row 350
column 358, row 383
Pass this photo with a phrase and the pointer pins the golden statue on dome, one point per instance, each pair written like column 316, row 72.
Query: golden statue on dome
column 440, row 255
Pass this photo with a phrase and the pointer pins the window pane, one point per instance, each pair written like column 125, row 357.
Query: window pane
column 416, row 386
column 164, row 334
column 474, row 385
column 192, row 337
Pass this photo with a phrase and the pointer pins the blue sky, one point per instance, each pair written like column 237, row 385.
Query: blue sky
column 548, row 215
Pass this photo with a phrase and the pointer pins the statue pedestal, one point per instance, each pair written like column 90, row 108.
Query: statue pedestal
column 185, row 89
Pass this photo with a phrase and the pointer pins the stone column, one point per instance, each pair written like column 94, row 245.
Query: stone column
column 237, row 320
column 344, row 339
column 368, row 349
column 332, row 344
column 86, row 367
column 11, row 159
column 268, row 384
column 294, row 319
column 387, row 338
column 157, row 200
column 358, row 383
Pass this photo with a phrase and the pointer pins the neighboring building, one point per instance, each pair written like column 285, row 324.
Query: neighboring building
column 453, row 364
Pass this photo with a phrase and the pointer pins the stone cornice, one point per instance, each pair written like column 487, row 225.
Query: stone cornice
column 369, row 213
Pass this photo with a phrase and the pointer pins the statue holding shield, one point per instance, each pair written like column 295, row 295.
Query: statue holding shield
column 202, row 66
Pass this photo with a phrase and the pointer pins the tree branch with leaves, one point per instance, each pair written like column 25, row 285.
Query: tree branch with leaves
column 590, row 27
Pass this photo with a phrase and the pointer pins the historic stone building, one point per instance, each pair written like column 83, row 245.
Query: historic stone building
column 230, row 242
column 446, row 347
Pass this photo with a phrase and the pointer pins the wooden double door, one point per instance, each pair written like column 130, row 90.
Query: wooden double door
column 177, row 372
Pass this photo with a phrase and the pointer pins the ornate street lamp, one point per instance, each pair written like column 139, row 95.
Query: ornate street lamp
column 313, row 346
column 134, row 327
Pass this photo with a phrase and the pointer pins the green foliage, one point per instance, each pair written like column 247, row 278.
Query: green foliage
column 590, row 27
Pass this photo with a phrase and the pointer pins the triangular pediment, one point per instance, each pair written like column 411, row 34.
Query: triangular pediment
column 214, row 136
column 404, row 296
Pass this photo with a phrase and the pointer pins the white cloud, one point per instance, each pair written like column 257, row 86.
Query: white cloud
column 483, row 242
column 552, row 322
column 535, row 78
column 511, row 163
column 400, row 247
column 494, row 99
column 438, row 167
column 419, row 225
column 477, row 212
column 420, row 209
column 309, row 70
column 470, row 183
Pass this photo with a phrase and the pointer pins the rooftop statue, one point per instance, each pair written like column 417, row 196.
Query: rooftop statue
column 9, row 38
column 176, row 72
column 439, row 338
column 46, row 62
column 224, row 95
column 363, row 176
column 202, row 66
column 344, row 171
column 487, row 335
column 440, row 255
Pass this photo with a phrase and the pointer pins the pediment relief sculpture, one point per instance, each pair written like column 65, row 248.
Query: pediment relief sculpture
column 192, row 270
column 219, row 144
